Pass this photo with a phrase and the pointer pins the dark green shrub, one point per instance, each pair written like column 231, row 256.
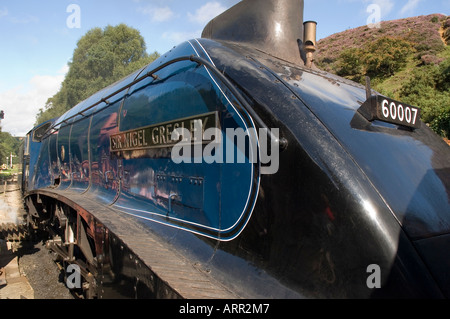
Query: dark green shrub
column 386, row 56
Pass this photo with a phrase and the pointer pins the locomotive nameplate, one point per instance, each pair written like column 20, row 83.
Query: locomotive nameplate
column 160, row 135
column 391, row 111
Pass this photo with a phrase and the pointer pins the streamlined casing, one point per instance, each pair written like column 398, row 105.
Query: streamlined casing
column 354, row 209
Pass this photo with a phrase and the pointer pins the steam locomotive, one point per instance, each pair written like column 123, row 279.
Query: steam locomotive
column 231, row 167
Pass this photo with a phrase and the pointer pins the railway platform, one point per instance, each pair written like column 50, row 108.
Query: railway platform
column 12, row 284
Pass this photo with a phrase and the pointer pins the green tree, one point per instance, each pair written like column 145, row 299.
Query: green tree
column 350, row 64
column 441, row 124
column 379, row 59
column 8, row 145
column 101, row 58
column 385, row 56
column 443, row 79
column 429, row 88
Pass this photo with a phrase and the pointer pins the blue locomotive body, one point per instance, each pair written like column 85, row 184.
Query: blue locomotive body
column 264, row 175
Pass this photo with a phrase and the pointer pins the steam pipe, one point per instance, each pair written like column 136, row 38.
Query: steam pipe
column 309, row 39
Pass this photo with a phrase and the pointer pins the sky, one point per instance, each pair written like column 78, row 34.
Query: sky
column 37, row 38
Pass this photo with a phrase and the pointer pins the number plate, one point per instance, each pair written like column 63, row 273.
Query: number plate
column 387, row 110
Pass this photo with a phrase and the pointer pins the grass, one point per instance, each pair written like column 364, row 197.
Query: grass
column 6, row 174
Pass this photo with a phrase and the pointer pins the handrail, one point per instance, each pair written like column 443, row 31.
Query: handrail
column 199, row 61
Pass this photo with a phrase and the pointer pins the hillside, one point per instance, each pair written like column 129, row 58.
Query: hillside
column 406, row 59
column 424, row 31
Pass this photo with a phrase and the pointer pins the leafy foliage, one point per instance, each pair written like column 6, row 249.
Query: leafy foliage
column 386, row 56
column 8, row 145
column 381, row 59
column 429, row 88
column 441, row 123
column 101, row 58
column 350, row 64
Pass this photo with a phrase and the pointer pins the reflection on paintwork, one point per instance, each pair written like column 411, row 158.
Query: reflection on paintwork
column 187, row 195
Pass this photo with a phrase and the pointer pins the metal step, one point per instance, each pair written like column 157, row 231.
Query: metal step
column 13, row 232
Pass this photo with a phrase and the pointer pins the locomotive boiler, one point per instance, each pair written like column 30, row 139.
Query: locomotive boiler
column 231, row 167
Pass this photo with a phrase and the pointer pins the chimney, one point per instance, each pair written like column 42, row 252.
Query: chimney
column 272, row 26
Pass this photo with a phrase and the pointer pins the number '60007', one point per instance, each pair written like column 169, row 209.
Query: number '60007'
column 399, row 112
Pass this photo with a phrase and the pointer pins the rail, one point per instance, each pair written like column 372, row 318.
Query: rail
column 4, row 182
